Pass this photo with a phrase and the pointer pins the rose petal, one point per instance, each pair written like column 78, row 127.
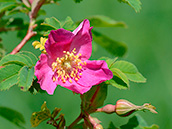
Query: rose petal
column 95, row 72
column 82, row 40
column 75, row 87
column 44, row 75
column 58, row 41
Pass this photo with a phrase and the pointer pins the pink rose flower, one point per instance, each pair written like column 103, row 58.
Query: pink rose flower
column 66, row 62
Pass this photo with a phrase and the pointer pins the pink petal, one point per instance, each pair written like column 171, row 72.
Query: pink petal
column 44, row 75
column 58, row 41
column 75, row 87
column 95, row 72
column 82, row 40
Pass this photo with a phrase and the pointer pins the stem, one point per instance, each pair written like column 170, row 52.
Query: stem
column 32, row 25
column 76, row 121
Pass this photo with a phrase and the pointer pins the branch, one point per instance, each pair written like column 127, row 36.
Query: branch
column 32, row 25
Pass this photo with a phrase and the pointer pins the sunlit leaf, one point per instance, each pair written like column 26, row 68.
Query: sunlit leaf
column 52, row 22
column 130, row 71
column 104, row 21
column 31, row 55
column 13, row 116
column 68, row 24
column 154, row 126
column 8, row 76
column 26, row 76
column 13, row 59
column 135, row 4
column 113, row 47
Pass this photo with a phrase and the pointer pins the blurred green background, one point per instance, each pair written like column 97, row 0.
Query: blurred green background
column 149, row 41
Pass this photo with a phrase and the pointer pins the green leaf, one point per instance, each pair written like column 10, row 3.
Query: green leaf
column 52, row 22
column 9, row 82
column 111, row 126
column 121, row 75
column 135, row 4
column 78, row 1
column 117, row 82
column 94, row 98
column 130, row 71
column 13, row 59
column 113, row 47
column 26, row 77
column 8, row 71
column 8, row 76
column 13, row 116
column 5, row 6
column 68, row 24
column 38, row 117
column 104, row 21
column 31, row 55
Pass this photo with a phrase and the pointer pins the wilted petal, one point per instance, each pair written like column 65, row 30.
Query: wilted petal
column 44, row 75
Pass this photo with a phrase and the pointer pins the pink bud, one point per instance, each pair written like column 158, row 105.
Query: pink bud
column 124, row 107
column 107, row 109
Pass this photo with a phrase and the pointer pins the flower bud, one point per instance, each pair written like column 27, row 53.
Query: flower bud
column 124, row 107
column 98, row 126
column 109, row 108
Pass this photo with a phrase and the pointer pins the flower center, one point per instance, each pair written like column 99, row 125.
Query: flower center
column 67, row 67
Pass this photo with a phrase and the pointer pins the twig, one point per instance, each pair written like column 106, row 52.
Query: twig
column 32, row 25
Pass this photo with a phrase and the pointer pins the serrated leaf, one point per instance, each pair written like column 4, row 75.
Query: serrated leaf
column 38, row 117
column 95, row 97
column 68, row 24
column 120, row 75
column 117, row 82
column 135, row 4
column 52, row 22
column 26, row 76
column 13, row 116
column 13, row 59
column 8, row 71
column 130, row 71
column 113, row 47
column 30, row 63
column 4, row 6
column 104, row 21
column 31, row 55
column 9, row 82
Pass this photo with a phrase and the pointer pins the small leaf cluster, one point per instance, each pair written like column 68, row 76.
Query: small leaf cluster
column 123, row 72
column 17, row 69
column 44, row 114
